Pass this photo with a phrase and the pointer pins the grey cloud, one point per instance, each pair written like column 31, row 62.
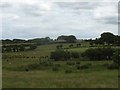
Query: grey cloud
column 30, row 10
column 77, row 5
column 110, row 20
column 61, row 20
column 109, row 15
column 5, row 5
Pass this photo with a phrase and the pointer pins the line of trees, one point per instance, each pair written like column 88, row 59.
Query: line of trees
column 38, row 41
column 92, row 54
column 99, row 53
column 67, row 39
column 18, row 48
column 106, row 38
column 41, row 41
column 14, row 41
column 63, row 55
column 116, row 57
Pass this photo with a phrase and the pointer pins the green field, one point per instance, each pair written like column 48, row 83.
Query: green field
column 15, row 75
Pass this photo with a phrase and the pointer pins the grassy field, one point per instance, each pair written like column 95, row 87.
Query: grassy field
column 96, row 76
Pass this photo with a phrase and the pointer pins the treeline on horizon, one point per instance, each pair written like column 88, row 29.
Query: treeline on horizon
column 106, row 38
column 93, row 54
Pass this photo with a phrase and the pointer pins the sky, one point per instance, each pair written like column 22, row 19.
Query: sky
column 26, row 19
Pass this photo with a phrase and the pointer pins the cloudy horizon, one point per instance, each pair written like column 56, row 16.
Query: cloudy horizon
column 43, row 18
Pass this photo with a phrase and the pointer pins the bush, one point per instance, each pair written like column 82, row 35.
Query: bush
column 33, row 66
column 45, row 63
column 70, row 63
column 78, row 62
column 78, row 67
column 116, row 57
column 26, row 69
column 58, row 65
column 68, row 71
column 105, row 64
column 113, row 66
column 55, row 68
column 75, row 55
column 33, row 47
column 60, row 55
column 88, row 64
column 84, row 66
column 99, row 53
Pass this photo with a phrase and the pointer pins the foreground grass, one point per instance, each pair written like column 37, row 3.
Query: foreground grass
column 97, row 76
column 43, row 79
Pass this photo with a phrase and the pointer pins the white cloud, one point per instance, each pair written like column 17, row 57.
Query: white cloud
column 106, row 10
column 106, row 13
column 41, row 18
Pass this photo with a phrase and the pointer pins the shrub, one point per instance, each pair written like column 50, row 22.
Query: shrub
column 84, row 66
column 88, row 64
column 99, row 53
column 68, row 71
column 70, row 63
column 71, row 45
column 113, row 66
column 59, row 46
column 33, row 66
column 33, row 47
column 60, row 55
column 55, row 68
column 58, row 65
column 45, row 63
column 105, row 64
column 78, row 62
column 26, row 69
column 75, row 55
column 78, row 66
column 116, row 57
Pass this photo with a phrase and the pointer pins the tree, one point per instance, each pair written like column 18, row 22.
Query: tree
column 116, row 57
column 7, row 41
column 91, row 43
column 71, row 45
column 33, row 47
column 98, row 41
column 75, row 55
column 60, row 55
column 22, row 48
column 108, row 38
column 8, row 49
column 40, row 41
column 59, row 46
column 78, row 45
column 18, row 41
column 68, row 39
column 99, row 53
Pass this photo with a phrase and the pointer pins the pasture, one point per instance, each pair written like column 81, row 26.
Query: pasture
column 19, row 70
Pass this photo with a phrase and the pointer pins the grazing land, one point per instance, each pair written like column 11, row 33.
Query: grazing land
column 27, row 72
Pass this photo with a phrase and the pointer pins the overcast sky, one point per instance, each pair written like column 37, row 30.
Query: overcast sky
column 27, row 19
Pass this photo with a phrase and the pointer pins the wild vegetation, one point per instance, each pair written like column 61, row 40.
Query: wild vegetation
column 62, row 63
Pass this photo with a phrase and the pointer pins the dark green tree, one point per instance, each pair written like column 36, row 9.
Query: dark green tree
column 108, row 38
column 60, row 55
column 68, row 39
column 22, row 48
column 33, row 47
column 116, row 57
